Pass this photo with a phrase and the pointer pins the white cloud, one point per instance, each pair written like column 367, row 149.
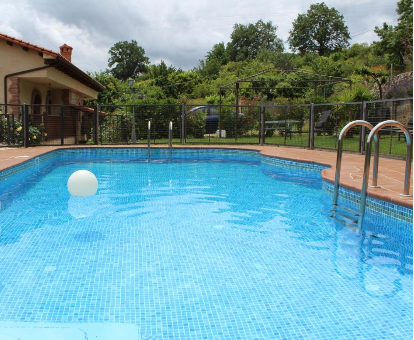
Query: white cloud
column 178, row 32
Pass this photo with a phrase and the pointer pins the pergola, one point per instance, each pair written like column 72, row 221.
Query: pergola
column 297, row 80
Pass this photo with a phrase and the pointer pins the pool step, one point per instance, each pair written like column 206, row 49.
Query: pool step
column 67, row 331
column 345, row 216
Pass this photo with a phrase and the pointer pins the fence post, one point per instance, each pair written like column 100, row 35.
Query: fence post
column 236, row 115
column 25, row 125
column 62, row 126
column 183, row 132
column 391, row 130
column 8, row 136
column 363, row 131
column 311, row 142
column 96, row 125
column 262, row 125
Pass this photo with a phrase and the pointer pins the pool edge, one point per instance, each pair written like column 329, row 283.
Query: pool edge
column 300, row 155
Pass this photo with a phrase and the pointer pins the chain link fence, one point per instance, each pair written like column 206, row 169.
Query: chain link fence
column 307, row 125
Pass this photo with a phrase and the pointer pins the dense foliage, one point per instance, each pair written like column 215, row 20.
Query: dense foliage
column 397, row 42
column 323, row 49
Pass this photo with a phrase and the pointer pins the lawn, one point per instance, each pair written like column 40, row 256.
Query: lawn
column 388, row 145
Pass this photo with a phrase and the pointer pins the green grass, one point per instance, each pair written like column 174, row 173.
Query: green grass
column 388, row 146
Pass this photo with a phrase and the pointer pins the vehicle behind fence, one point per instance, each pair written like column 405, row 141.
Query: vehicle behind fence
column 307, row 125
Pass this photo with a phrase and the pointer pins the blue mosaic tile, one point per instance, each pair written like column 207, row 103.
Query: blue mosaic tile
column 376, row 205
column 229, row 245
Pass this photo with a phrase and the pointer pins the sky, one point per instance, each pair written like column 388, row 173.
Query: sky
column 179, row 32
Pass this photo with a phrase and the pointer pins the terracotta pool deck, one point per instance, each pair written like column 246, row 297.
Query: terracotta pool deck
column 390, row 175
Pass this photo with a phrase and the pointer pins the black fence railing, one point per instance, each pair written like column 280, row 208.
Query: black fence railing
column 307, row 125
column 329, row 121
column 287, row 125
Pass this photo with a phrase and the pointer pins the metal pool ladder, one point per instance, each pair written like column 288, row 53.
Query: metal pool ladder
column 372, row 136
column 373, row 133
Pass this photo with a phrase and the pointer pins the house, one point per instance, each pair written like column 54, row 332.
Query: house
column 33, row 75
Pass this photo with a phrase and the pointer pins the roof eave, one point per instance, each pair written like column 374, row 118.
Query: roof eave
column 65, row 66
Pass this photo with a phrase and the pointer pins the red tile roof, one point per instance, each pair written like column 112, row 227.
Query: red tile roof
column 28, row 45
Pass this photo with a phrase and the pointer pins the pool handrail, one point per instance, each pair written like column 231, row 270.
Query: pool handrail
column 373, row 133
column 170, row 136
column 149, row 139
column 342, row 134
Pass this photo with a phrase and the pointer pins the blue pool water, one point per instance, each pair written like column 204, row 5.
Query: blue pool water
column 203, row 245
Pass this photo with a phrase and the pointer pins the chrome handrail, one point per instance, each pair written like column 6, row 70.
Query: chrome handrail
column 373, row 133
column 339, row 154
column 149, row 139
column 170, row 137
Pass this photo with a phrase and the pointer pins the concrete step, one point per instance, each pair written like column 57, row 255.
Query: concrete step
column 67, row 331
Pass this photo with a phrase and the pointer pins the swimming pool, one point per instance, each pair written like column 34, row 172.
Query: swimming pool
column 203, row 244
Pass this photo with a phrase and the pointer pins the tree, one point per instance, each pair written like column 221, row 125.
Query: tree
column 160, row 73
column 397, row 42
column 127, row 59
column 379, row 77
column 181, row 84
column 248, row 40
column 214, row 60
column 115, row 91
column 321, row 29
column 217, row 53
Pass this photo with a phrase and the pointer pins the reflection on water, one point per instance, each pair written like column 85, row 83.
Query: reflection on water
column 379, row 259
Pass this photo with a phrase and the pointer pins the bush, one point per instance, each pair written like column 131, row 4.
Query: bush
column 12, row 132
column 401, row 89
column 228, row 123
column 195, row 124
column 112, row 128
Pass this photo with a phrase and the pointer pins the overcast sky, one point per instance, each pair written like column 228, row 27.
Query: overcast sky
column 180, row 32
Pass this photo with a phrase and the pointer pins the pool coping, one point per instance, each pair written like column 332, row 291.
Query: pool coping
column 390, row 175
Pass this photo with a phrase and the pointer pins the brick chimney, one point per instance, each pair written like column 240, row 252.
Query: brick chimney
column 66, row 52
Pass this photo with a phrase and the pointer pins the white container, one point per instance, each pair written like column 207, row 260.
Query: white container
column 222, row 134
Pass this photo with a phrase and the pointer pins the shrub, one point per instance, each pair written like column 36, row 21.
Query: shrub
column 11, row 132
column 195, row 124
column 401, row 89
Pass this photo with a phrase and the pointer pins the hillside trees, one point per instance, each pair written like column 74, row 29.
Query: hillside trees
column 214, row 60
column 127, row 60
column 319, row 35
column 397, row 42
column 247, row 41
column 115, row 92
column 160, row 73
column 321, row 30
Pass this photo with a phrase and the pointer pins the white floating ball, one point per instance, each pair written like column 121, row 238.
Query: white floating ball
column 82, row 183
